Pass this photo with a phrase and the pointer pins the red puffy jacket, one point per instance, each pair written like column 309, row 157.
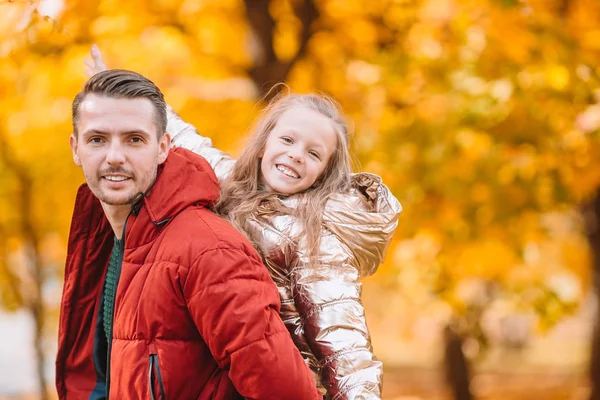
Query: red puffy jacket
column 196, row 314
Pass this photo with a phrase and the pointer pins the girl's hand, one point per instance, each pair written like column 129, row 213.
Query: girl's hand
column 96, row 64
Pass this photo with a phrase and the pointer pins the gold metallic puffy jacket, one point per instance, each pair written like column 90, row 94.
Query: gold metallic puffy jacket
column 320, row 304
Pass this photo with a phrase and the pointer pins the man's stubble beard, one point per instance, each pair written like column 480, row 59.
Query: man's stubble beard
column 99, row 193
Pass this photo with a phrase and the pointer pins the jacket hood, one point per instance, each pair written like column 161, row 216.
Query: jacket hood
column 184, row 179
column 365, row 219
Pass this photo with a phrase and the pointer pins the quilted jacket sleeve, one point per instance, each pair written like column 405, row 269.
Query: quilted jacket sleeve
column 327, row 297
column 185, row 135
column 235, row 306
column 365, row 219
column 357, row 230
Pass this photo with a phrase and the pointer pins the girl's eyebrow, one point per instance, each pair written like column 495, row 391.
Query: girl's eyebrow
column 316, row 146
column 290, row 131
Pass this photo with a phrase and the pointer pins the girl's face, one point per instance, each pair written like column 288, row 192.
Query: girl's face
column 297, row 150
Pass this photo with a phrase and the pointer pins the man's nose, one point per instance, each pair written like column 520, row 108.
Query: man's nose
column 115, row 153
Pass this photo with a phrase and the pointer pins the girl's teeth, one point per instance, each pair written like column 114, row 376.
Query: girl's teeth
column 287, row 171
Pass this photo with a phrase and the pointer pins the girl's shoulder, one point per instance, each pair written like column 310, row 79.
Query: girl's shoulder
column 364, row 218
column 368, row 201
column 368, row 198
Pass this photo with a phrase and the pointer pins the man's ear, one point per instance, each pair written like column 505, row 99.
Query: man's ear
column 74, row 144
column 164, row 145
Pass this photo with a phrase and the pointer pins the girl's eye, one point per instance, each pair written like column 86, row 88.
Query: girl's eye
column 287, row 139
column 314, row 154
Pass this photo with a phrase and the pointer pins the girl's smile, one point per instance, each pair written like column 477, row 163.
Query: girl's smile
column 297, row 150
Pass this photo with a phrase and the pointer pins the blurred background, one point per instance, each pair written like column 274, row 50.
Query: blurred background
column 482, row 116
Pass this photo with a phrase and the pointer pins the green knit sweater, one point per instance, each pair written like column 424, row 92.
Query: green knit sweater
column 110, row 286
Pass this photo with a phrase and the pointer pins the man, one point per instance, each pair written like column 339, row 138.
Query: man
column 162, row 299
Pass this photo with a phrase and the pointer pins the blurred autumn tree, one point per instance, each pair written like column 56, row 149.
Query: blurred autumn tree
column 481, row 115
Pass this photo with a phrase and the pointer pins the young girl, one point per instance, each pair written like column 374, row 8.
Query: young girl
column 318, row 227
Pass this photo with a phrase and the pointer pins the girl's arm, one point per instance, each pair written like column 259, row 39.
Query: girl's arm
column 358, row 227
column 365, row 219
column 182, row 133
column 327, row 297
column 185, row 135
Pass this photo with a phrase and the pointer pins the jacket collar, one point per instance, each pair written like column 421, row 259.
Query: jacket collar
column 183, row 180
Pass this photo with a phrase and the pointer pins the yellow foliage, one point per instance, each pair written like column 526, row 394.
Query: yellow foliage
column 558, row 77
column 474, row 145
column 488, row 259
column 286, row 41
column 477, row 116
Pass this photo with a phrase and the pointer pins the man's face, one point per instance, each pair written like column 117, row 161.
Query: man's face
column 117, row 147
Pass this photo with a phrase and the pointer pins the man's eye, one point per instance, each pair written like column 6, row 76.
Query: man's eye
column 136, row 139
column 96, row 140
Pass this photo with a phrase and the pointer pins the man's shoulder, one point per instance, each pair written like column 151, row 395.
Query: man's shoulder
column 203, row 230
column 209, row 248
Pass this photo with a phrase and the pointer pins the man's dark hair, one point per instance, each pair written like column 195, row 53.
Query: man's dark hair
column 123, row 84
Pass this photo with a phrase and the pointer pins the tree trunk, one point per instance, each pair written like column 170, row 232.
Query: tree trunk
column 31, row 296
column 268, row 70
column 592, row 219
column 36, row 302
column 37, row 310
column 564, row 8
column 456, row 365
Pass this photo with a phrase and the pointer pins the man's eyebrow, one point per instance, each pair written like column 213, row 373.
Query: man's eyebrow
column 135, row 132
column 93, row 132
column 124, row 133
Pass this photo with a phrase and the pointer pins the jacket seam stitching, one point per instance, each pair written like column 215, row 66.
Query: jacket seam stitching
column 189, row 298
column 254, row 341
column 343, row 352
column 368, row 385
column 321, row 307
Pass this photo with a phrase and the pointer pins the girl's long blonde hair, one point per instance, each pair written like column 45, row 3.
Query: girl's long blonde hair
column 241, row 193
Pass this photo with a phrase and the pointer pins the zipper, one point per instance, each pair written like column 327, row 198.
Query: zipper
column 109, row 338
column 154, row 371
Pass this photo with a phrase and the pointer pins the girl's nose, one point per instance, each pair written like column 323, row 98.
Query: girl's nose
column 296, row 156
